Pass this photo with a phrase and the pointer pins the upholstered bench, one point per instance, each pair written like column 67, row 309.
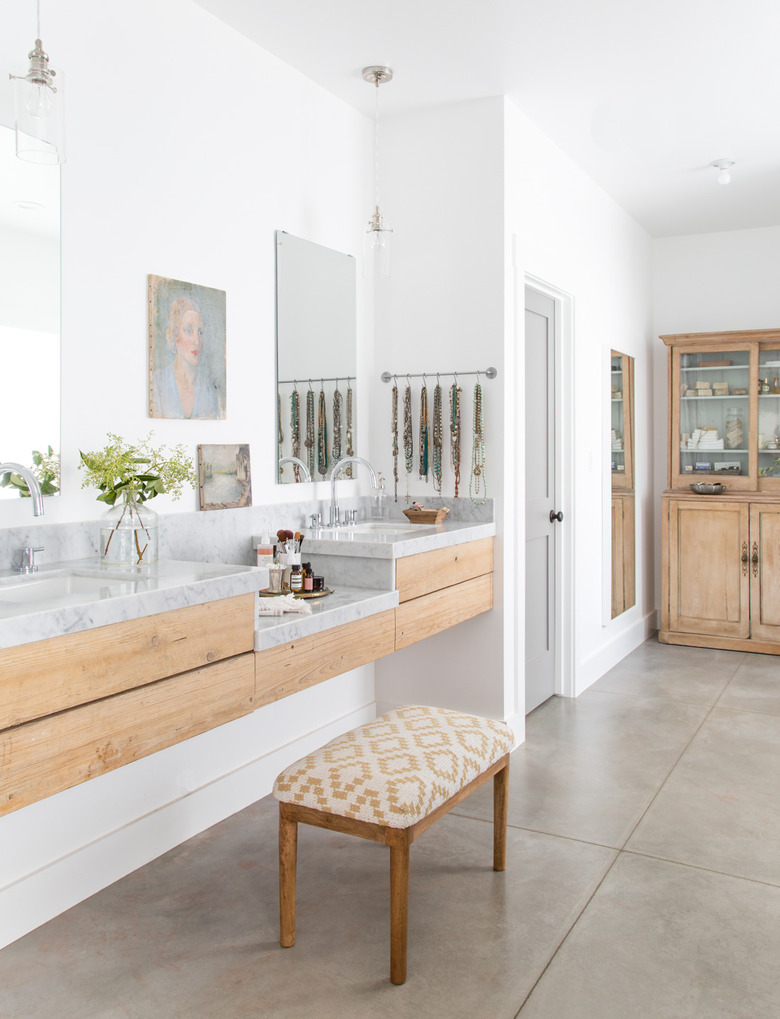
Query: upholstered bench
column 388, row 781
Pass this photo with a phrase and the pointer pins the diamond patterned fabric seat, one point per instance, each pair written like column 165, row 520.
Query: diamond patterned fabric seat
column 397, row 769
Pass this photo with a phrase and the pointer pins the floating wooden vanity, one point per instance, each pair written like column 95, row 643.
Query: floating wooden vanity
column 436, row 590
column 76, row 706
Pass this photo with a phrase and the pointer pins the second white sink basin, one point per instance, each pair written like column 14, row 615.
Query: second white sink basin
column 46, row 590
column 384, row 528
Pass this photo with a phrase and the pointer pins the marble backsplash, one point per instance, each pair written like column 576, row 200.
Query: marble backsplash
column 218, row 536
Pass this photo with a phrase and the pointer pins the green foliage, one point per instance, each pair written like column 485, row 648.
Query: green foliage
column 137, row 468
column 45, row 467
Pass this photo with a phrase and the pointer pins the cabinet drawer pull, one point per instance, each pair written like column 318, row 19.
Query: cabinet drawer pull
column 744, row 558
column 754, row 559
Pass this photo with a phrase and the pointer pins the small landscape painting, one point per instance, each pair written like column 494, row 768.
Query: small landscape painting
column 186, row 350
column 225, row 476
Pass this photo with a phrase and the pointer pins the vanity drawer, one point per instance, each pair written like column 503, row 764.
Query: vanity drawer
column 291, row 667
column 51, row 675
column 415, row 620
column 54, row 753
column 421, row 574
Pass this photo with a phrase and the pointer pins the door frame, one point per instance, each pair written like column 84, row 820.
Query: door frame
column 564, row 478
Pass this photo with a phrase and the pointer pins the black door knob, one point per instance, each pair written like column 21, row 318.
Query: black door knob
column 556, row 516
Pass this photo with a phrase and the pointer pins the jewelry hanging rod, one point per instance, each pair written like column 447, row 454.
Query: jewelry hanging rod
column 336, row 378
column 489, row 373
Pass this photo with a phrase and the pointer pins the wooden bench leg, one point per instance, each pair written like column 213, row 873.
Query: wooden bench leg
column 500, row 811
column 288, row 858
column 399, row 905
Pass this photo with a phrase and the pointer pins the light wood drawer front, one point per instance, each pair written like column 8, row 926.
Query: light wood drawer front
column 430, row 571
column 286, row 669
column 418, row 619
column 52, row 675
column 51, row 754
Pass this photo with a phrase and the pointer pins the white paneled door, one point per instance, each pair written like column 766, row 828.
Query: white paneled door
column 542, row 515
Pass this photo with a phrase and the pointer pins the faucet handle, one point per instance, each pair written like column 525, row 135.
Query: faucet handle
column 27, row 564
column 316, row 520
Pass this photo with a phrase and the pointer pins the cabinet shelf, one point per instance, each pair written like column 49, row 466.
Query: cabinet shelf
column 737, row 396
column 715, row 368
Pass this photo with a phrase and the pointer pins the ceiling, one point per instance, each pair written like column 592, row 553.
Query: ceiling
column 643, row 94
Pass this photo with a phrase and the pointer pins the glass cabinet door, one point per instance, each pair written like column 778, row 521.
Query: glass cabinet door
column 622, row 380
column 713, row 397
column 768, row 393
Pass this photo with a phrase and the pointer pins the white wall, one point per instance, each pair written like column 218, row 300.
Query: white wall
column 568, row 233
column 443, row 310
column 702, row 283
column 187, row 148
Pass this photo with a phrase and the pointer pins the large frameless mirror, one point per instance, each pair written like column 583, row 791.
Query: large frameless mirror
column 316, row 358
column 623, row 500
column 29, row 316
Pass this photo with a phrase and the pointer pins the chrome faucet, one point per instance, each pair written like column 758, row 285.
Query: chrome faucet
column 32, row 484
column 294, row 460
column 333, row 520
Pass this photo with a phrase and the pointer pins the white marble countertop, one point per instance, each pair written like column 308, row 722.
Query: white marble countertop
column 78, row 595
column 345, row 605
column 395, row 539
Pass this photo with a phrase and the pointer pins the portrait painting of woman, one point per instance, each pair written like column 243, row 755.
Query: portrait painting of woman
column 186, row 350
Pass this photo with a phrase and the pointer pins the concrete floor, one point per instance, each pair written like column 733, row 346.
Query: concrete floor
column 643, row 881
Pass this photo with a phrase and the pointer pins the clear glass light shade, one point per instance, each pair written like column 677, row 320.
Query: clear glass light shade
column 40, row 127
column 377, row 248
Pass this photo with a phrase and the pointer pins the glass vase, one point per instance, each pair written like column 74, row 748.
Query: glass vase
column 129, row 533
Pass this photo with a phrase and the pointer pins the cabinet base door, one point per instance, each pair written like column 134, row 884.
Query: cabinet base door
column 709, row 590
column 765, row 571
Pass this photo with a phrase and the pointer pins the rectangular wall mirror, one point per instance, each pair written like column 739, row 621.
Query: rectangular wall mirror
column 623, row 501
column 316, row 357
column 29, row 308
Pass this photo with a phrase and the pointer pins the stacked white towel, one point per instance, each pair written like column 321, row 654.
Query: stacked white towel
column 705, row 438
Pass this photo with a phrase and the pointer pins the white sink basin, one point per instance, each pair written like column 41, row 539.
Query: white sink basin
column 64, row 587
column 385, row 528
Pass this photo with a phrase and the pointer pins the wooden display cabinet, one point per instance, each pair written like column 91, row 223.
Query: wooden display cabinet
column 721, row 553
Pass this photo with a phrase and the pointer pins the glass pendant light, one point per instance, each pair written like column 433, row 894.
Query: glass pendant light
column 376, row 261
column 40, row 136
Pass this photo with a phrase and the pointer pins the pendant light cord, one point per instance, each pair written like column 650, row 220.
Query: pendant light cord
column 38, row 17
column 376, row 144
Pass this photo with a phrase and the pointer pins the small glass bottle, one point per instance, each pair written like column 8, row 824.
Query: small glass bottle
column 308, row 577
column 379, row 509
column 776, row 384
column 765, row 387
column 296, row 579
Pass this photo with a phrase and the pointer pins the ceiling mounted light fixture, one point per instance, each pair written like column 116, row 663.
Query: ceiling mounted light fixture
column 39, row 123
column 723, row 165
column 377, row 246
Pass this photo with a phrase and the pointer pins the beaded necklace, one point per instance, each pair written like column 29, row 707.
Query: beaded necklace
column 394, row 433
column 455, row 392
column 437, row 438
column 408, row 436
column 478, row 480
column 322, row 435
column 350, row 449
column 337, row 401
column 423, row 471
column 309, row 442
column 295, row 429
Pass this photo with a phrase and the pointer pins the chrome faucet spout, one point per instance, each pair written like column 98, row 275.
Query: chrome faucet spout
column 295, row 460
column 334, row 506
column 32, row 484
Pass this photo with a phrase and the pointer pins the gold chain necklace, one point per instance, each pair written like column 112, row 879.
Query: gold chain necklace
column 350, row 449
column 455, row 433
column 423, row 471
column 437, row 438
column 295, row 429
column 394, row 433
column 322, row 435
column 478, row 481
column 309, row 443
column 337, row 401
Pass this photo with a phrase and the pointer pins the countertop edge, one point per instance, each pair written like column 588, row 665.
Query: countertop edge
column 346, row 605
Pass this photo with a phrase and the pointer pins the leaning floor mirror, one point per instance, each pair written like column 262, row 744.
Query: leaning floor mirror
column 623, row 501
